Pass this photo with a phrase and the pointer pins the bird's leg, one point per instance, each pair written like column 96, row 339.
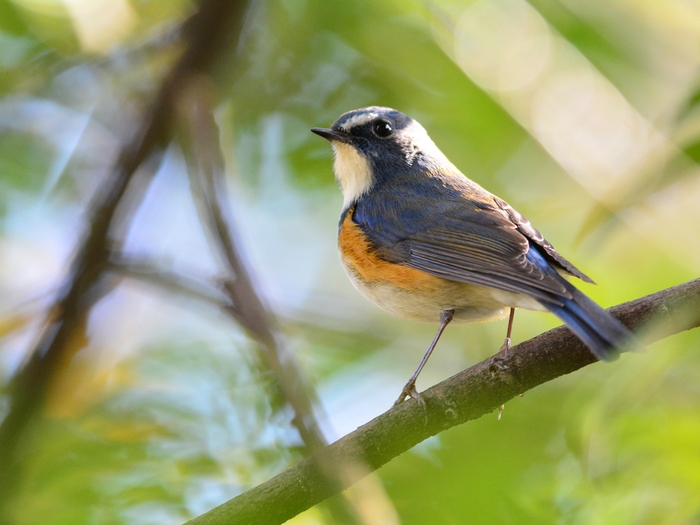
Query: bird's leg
column 505, row 348
column 410, row 388
column 506, row 343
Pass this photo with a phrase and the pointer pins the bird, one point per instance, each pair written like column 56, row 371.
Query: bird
column 424, row 242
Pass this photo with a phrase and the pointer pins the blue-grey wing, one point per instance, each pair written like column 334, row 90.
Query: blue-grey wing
column 463, row 233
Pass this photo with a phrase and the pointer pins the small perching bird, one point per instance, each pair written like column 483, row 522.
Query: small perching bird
column 424, row 242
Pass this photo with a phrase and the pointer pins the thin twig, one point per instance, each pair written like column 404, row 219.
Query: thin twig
column 466, row 396
column 246, row 303
column 146, row 270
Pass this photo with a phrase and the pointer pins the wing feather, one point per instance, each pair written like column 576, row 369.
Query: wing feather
column 469, row 236
column 476, row 260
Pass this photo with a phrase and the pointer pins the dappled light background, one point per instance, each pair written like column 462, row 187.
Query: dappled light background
column 582, row 114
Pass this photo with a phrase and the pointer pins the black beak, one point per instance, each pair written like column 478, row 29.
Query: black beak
column 332, row 134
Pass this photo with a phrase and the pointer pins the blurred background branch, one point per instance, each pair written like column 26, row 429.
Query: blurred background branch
column 63, row 335
column 179, row 284
column 247, row 306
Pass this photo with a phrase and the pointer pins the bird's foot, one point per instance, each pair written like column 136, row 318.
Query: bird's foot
column 409, row 390
column 505, row 347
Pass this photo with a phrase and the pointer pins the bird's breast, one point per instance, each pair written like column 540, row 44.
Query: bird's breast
column 405, row 291
column 359, row 255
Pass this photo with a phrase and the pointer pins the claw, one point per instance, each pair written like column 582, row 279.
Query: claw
column 410, row 391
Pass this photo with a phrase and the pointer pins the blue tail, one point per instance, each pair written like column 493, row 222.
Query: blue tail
column 602, row 333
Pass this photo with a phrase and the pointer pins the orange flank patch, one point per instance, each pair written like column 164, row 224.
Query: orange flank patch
column 357, row 253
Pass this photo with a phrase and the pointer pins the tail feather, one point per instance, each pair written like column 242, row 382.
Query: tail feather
column 601, row 332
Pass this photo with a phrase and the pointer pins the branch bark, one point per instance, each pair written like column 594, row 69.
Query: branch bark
column 468, row 395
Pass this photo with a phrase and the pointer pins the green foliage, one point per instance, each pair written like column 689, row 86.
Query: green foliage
column 167, row 412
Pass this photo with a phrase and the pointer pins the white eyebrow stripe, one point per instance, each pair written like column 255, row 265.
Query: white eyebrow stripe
column 359, row 120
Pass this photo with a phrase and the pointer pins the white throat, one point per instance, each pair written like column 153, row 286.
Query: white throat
column 353, row 172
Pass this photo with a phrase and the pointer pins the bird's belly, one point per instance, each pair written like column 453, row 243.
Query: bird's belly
column 419, row 296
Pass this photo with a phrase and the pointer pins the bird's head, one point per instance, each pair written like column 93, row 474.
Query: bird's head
column 376, row 144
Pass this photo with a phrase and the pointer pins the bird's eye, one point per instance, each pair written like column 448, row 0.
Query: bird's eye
column 382, row 129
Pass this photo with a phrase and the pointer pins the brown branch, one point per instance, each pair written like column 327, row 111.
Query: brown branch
column 205, row 36
column 468, row 395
